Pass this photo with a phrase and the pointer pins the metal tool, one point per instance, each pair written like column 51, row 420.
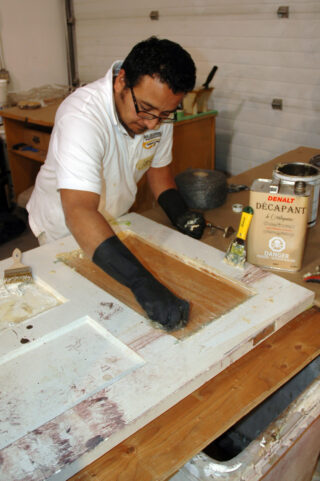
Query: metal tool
column 210, row 77
column 237, row 253
column 227, row 231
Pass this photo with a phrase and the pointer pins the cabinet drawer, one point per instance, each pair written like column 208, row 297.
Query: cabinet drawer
column 37, row 139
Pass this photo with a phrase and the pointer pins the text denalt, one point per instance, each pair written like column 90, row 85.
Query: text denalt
column 279, row 198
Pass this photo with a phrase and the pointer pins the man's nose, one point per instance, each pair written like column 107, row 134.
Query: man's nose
column 151, row 124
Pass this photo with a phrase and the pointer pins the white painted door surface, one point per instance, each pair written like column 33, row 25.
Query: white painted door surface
column 81, row 376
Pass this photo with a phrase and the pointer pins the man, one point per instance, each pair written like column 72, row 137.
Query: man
column 106, row 136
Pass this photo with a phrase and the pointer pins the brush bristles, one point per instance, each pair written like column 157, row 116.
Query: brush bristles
column 236, row 255
column 20, row 274
column 18, row 278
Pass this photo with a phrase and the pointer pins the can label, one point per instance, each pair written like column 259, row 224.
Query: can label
column 277, row 233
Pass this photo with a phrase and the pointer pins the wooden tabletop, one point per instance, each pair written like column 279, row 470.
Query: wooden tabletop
column 159, row 449
column 41, row 116
column 224, row 216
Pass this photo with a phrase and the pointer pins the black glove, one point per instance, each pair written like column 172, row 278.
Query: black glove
column 187, row 221
column 160, row 304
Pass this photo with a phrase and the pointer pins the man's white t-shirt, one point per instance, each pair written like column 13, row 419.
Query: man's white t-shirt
column 90, row 150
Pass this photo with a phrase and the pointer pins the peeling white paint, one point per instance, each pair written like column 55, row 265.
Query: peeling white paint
column 105, row 368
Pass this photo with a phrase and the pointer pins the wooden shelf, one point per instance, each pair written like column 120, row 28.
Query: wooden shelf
column 36, row 156
column 32, row 128
column 43, row 116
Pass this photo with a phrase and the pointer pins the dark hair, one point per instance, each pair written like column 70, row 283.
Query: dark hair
column 163, row 58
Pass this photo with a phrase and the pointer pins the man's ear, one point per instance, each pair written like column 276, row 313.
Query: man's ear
column 120, row 81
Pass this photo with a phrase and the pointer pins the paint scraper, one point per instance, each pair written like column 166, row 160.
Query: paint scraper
column 237, row 253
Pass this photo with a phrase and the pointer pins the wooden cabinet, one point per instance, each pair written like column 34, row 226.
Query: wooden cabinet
column 194, row 143
column 193, row 147
column 27, row 135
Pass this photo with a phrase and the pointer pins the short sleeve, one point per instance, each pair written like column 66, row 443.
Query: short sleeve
column 79, row 148
column 163, row 155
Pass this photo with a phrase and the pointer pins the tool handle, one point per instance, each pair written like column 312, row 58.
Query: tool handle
column 210, row 77
column 245, row 221
column 16, row 257
column 212, row 226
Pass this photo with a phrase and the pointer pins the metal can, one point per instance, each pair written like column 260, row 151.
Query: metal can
column 278, row 229
column 298, row 171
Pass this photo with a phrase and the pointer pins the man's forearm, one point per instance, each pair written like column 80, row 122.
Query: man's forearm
column 89, row 229
column 83, row 219
column 99, row 242
column 160, row 179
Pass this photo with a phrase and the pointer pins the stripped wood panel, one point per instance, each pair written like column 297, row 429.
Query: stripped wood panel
column 210, row 295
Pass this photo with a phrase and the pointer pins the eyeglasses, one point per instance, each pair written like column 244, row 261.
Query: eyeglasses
column 144, row 114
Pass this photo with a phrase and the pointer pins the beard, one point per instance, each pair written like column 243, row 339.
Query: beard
column 136, row 129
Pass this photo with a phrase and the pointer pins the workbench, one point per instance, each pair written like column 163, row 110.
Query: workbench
column 159, row 448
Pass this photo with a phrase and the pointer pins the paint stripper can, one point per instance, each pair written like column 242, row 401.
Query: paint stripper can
column 298, row 171
column 278, row 230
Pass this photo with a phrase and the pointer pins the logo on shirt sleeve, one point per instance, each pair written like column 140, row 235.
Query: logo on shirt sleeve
column 145, row 163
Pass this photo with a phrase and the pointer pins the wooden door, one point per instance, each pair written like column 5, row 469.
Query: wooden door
column 90, row 369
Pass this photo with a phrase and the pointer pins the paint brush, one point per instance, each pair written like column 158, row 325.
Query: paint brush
column 18, row 272
column 237, row 253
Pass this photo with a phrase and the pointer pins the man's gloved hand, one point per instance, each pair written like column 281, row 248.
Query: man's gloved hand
column 191, row 223
column 160, row 304
column 187, row 221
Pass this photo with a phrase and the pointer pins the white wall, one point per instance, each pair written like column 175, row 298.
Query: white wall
column 260, row 57
column 34, row 45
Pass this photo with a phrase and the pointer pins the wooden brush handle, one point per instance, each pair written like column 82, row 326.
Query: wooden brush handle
column 16, row 257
